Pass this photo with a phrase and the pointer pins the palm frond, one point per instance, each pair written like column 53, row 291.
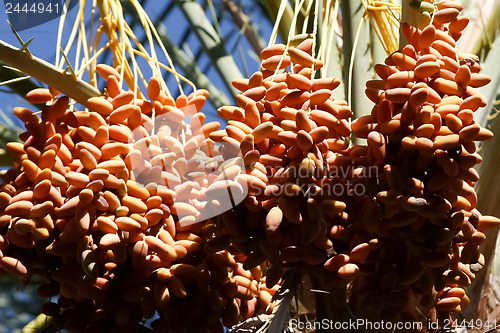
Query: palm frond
column 185, row 62
column 245, row 26
column 189, row 65
column 358, row 55
column 490, row 31
column 272, row 8
column 211, row 43
column 491, row 91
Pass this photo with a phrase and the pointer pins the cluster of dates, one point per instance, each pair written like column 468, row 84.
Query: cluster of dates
column 423, row 211
column 109, row 205
column 410, row 241
column 300, row 171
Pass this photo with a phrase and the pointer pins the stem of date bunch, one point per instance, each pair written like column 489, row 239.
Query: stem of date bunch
column 41, row 324
column 76, row 89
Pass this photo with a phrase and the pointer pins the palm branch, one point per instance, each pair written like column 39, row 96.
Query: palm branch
column 352, row 48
